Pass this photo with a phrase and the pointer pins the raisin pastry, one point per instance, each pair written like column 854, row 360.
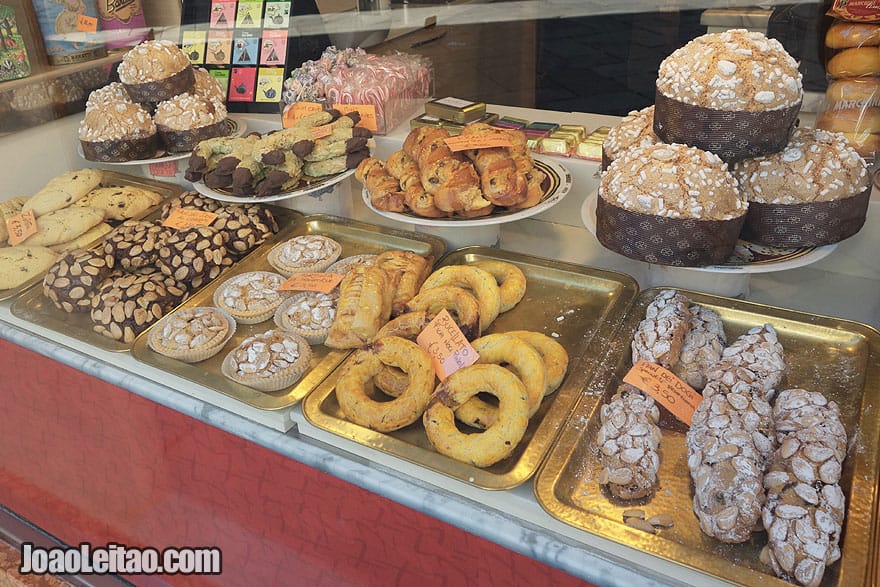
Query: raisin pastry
column 192, row 334
column 72, row 280
column 250, row 297
column 661, row 334
column 269, row 361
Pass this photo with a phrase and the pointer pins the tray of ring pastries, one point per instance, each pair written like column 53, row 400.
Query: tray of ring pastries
column 484, row 424
column 249, row 337
column 73, row 210
column 109, row 290
column 775, row 478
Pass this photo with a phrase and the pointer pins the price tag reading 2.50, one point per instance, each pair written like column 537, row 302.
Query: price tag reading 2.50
column 446, row 345
column 671, row 392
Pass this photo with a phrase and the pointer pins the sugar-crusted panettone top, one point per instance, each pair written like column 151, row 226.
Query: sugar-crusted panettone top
column 207, row 85
column 636, row 129
column 736, row 70
column 111, row 93
column 151, row 61
column 187, row 111
column 675, row 181
column 815, row 166
column 114, row 121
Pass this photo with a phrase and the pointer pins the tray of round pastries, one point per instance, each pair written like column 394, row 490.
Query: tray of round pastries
column 551, row 324
column 775, row 478
column 108, row 292
column 273, row 354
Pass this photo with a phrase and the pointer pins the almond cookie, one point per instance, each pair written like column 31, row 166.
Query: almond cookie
column 126, row 306
column 19, row 264
column 121, row 203
column 661, row 334
column 192, row 334
column 64, row 190
column 702, row 347
column 269, row 361
column 193, row 256
column 311, row 253
column 251, row 297
column 308, row 314
column 72, row 280
column 136, row 243
column 64, row 225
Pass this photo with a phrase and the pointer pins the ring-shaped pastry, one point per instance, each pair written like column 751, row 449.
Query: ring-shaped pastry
column 391, row 380
column 522, row 359
column 358, row 373
column 481, row 282
column 553, row 354
column 464, row 308
column 497, row 441
column 510, row 278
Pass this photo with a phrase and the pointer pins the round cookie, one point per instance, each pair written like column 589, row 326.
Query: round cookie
column 304, row 254
column 193, row 256
column 135, row 244
column 72, row 280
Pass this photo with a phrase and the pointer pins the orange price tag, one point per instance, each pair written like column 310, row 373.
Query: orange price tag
column 86, row 23
column 319, row 132
column 163, row 169
column 188, row 218
column 21, row 226
column 461, row 143
column 673, row 394
column 321, row 282
column 293, row 112
column 446, row 345
column 367, row 112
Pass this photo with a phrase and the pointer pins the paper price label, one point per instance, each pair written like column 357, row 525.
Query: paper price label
column 294, row 112
column 671, row 392
column 163, row 169
column 21, row 226
column 188, row 218
column 461, row 143
column 446, row 345
column 367, row 112
column 319, row 132
column 86, row 23
column 320, row 282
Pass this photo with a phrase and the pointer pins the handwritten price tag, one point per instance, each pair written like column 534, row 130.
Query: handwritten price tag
column 188, row 218
column 21, row 226
column 86, row 23
column 321, row 282
column 673, row 394
column 294, row 112
column 163, row 169
column 446, row 345
column 319, row 132
column 465, row 143
column 367, row 112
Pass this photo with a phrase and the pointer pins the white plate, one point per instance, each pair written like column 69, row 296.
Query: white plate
column 747, row 257
column 236, row 126
column 560, row 185
column 316, row 188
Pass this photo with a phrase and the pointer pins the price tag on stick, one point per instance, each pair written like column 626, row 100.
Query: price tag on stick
column 446, row 345
column 320, row 282
column 21, row 226
column 671, row 392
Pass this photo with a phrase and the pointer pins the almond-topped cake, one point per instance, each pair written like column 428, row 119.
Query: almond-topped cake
column 192, row 334
column 308, row 314
column 269, row 361
column 310, row 253
column 251, row 297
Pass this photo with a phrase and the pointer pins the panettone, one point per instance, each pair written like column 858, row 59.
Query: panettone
column 118, row 131
column 186, row 119
column 112, row 93
column 636, row 129
column 207, row 86
column 154, row 71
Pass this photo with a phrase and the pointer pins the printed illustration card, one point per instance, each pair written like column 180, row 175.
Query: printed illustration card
column 277, row 15
column 219, row 50
column 269, row 84
column 274, row 47
column 222, row 76
column 223, row 14
column 245, row 48
column 193, row 46
column 249, row 15
column 242, row 84
column 14, row 61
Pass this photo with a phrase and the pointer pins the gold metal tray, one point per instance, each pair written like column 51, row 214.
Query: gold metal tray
column 36, row 308
column 837, row 357
column 355, row 238
column 579, row 304
column 110, row 179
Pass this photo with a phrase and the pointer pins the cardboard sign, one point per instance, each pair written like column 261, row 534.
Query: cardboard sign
column 163, row 169
column 294, row 112
column 671, row 392
column 189, row 218
column 319, row 132
column 446, row 345
column 21, row 226
column 86, row 23
column 320, row 282
column 367, row 112
column 483, row 141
